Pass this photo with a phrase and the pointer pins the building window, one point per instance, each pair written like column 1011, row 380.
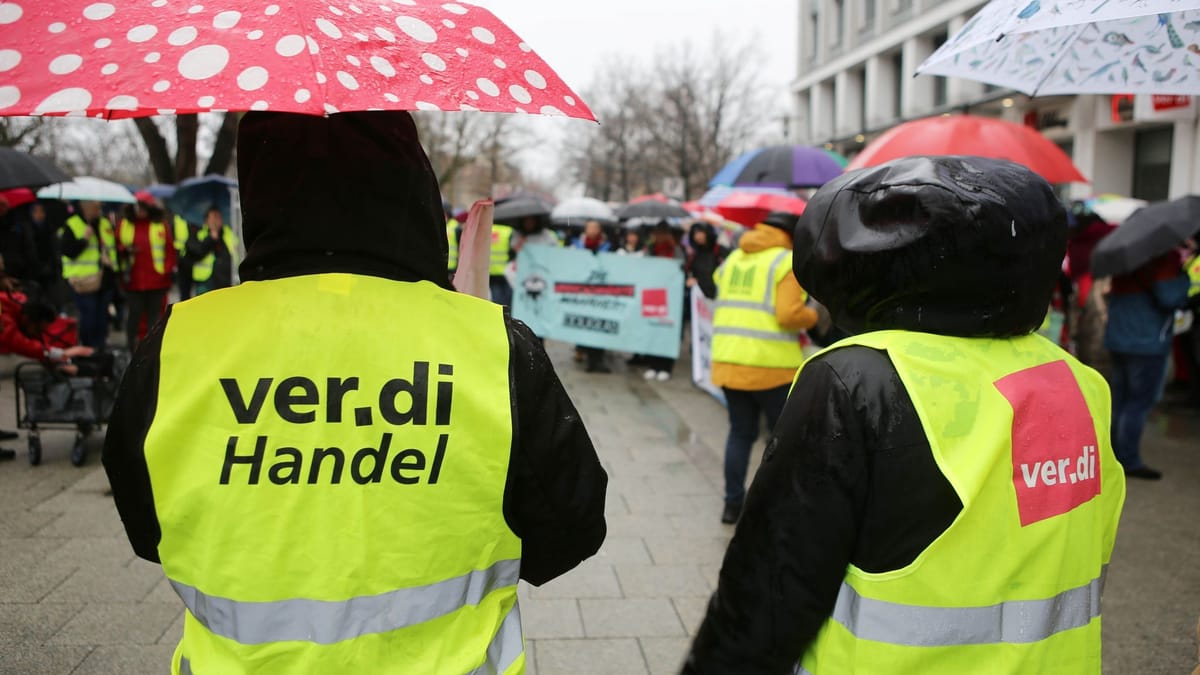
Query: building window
column 814, row 32
column 869, row 7
column 941, row 86
column 839, row 21
column 1152, row 163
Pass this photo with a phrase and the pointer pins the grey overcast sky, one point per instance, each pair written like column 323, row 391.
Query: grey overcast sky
column 574, row 37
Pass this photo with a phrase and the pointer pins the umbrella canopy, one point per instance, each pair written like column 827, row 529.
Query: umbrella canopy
column 1112, row 208
column 195, row 196
column 1150, row 232
column 716, row 194
column 748, row 208
column 1079, row 47
column 652, row 209
column 160, row 190
column 781, row 166
column 21, row 169
column 837, row 157
column 88, row 189
column 970, row 135
column 582, row 209
column 512, row 209
column 134, row 58
column 15, row 197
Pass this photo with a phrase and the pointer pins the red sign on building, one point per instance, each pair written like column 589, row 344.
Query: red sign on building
column 1161, row 102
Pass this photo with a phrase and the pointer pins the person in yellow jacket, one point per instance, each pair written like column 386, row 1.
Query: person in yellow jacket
column 182, row 233
column 89, row 264
column 343, row 465
column 453, row 234
column 214, row 253
column 940, row 495
column 502, row 241
column 761, row 310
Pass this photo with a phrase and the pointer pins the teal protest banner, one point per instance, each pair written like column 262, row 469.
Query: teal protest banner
column 604, row 300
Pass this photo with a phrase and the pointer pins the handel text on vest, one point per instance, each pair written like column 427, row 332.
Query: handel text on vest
column 298, row 400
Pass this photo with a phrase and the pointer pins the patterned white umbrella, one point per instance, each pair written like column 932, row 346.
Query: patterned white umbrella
column 1045, row 47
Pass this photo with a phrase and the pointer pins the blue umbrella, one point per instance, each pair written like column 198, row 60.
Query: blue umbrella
column 716, row 194
column 781, row 166
column 160, row 190
column 195, row 196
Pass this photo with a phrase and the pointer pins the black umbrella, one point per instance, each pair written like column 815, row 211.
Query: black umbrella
column 652, row 208
column 1150, row 232
column 510, row 210
column 20, row 169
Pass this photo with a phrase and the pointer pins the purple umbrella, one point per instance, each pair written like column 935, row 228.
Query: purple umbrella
column 781, row 166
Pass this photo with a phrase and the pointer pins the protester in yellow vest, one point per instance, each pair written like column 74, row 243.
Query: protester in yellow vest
column 343, row 465
column 452, row 236
column 214, row 253
column 183, row 262
column 149, row 251
column 1191, row 340
column 756, row 341
column 89, row 264
column 940, row 495
column 501, row 253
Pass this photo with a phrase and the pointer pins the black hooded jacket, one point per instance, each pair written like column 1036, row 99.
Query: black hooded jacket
column 704, row 260
column 960, row 246
column 354, row 193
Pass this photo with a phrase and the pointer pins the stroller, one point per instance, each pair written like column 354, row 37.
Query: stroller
column 48, row 398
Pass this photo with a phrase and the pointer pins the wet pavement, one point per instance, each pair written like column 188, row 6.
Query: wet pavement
column 74, row 599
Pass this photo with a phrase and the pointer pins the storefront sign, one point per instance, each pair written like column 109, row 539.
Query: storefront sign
column 1161, row 103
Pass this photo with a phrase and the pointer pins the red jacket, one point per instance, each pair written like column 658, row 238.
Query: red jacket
column 142, row 275
column 12, row 340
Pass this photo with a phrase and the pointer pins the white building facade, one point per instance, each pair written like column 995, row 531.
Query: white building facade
column 855, row 80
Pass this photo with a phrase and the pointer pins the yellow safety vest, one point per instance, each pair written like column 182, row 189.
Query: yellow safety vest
column 202, row 269
column 1021, row 431
column 1193, row 270
column 333, row 509
column 501, row 243
column 88, row 262
column 158, row 242
column 452, row 242
column 180, row 234
column 745, row 331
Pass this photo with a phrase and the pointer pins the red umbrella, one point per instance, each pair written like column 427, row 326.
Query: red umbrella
column 654, row 197
column 18, row 196
column 970, row 135
column 749, row 208
column 132, row 58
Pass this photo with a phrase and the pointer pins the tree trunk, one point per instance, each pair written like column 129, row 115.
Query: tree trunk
column 186, row 129
column 156, row 145
column 223, row 147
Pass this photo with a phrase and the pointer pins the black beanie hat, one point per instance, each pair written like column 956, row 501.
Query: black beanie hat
column 352, row 192
column 962, row 246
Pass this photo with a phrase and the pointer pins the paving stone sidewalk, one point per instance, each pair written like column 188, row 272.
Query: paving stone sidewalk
column 74, row 599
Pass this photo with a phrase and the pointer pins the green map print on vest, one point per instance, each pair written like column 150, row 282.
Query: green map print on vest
column 741, row 278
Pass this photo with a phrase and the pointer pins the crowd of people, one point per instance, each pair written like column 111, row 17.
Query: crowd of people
column 71, row 272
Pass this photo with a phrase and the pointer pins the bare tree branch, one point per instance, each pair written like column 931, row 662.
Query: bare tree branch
column 156, row 145
column 223, row 146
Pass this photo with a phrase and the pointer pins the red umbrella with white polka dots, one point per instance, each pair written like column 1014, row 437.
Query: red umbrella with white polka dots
column 133, row 58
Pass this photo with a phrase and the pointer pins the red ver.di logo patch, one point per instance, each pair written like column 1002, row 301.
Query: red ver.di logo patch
column 1055, row 462
column 654, row 302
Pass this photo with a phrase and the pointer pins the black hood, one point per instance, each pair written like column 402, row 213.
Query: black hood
column 701, row 226
column 962, row 246
column 352, row 192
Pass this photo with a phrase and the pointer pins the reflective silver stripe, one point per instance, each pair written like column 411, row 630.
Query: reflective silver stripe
column 185, row 666
column 506, row 646
column 1013, row 622
column 800, row 670
column 745, row 304
column 769, row 299
column 330, row 621
column 756, row 334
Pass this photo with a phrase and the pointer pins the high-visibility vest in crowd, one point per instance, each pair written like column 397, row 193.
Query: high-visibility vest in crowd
column 745, row 331
column 1193, row 270
column 501, row 243
column 202, row 269
column 88, row 262
column 180, row 233
column 452, row 241
column 328, row 510
column 1020, row 429
column 158, row 242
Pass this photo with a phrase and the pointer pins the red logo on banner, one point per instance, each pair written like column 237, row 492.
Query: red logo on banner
column 654, row 302
column 1054, row 456
column 1161, row 102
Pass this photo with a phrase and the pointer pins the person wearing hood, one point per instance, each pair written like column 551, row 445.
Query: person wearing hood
column 703, row 259
column 761, row 310
column 343, row 465
column 940, row 495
